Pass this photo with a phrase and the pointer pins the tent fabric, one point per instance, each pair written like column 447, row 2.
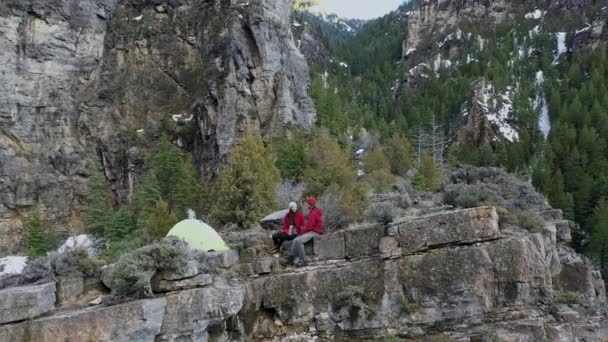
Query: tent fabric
column 198, row 235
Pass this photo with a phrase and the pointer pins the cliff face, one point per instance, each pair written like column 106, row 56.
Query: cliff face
column 454, row 275
column 108, row 73
column 431, row 19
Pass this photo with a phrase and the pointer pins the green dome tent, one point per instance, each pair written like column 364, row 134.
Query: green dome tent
column 199, row 235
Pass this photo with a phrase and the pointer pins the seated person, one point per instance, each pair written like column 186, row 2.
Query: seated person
column 293, row 222
column 312, row 229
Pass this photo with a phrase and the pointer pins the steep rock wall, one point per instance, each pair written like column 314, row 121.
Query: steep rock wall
column 109, row 73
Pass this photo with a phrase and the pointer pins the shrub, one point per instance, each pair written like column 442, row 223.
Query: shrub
column 133, row 271
column 408, row 306
column 352, row 304
column 530, row 221
column 246, row 186
column 382, row 213
column 289, row 191
column 75, row 261
column 567, row 297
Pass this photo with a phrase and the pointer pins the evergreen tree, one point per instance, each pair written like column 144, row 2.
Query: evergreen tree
column 159, row 220
column 399, row 153
column 187, row 191
column 428, row 176
column 166, row 165
column 376, row 160
column 37, row 236
column 599, row 237
column 145, row 197
column 118, row 225
column 291, row 156
column 99, row 202
column 246, row 184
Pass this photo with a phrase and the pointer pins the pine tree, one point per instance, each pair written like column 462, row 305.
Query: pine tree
column 159, row 220
column 399, row 153
column 145, row 197
column 37, row 236
column 376, row 160
column 99, row 202
column 428, row 176
column 291, row 157
column 166, row 165
column 246, row 184
column 187, row 191
column 599, row 237
column 119, row 225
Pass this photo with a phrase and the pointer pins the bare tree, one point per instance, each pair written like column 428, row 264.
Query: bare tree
column 432, row 139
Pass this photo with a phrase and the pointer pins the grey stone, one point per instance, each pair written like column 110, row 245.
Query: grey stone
column 189, row 313
column 69, row 288
column 362, row 241
column 265, row 265
column 189, row 271
column 244, row 269
column 25, row 302
column 106, row 275
column 182, row 284
column 455, row 227
column 563, row 231
column 389, row 247
column 224, row 259
column 133, row 321
column 551, row 215
column 329, row 246
column 322, row 322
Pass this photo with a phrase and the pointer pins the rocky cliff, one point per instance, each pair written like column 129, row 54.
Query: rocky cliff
column 456, row 275
column 108, row 73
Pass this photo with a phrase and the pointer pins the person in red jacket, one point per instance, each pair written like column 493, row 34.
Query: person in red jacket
column 293, row 224
column 312, row 229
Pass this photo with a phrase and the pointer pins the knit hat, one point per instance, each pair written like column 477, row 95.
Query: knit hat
column 312, row 201
column 293, row 205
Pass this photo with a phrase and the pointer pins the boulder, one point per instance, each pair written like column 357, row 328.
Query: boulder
column 455, row 227
column 26, row 302
column 563, row 231
column 189, row 271
column 133, row 321
column 274, row 221
column 182, row 284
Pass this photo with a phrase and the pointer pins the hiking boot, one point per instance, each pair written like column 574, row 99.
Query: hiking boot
column 275, row 250
column 284, row 261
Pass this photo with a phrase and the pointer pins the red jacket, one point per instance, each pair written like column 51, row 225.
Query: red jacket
column 299, row 223
column 315, row 222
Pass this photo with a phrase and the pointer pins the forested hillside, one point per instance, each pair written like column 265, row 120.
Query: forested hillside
column 538, row 80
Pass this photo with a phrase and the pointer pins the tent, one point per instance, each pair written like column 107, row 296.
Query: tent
column 199, row 235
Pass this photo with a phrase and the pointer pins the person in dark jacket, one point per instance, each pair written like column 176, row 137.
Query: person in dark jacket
column 312, row 229
column 293, row 224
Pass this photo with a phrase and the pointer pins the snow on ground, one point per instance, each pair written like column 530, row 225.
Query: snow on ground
column 296, row 24
column 344, row 65
column 537, row 14
column 452, row 36
column 182, row 117
column 12, row 265
column 482, row 42
column 586, row 28
column 534, row 32
column 409, row 52
column 499, row 108
column 540, row 104
column 138, row 18
column 561, row 45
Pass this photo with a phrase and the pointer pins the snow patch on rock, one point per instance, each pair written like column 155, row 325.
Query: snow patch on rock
column 12, row 265
column 536, row 14
column 561, row 46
